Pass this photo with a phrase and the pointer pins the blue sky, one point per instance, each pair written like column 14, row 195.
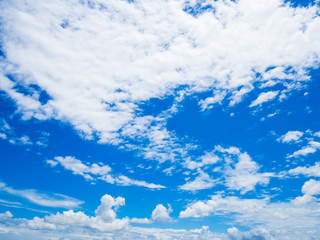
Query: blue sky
column 159, row 119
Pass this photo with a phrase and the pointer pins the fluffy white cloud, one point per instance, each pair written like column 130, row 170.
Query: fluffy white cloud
column 244, row 176
column 286, row 219
column 236, row 170
column 255, row 233
column 312, row 171
column 105, row 210
column 203, row 181
column 218, row 205
column 78, row 168
column 311, row 187
column 264, row 97
column 7, row 214
column 141, row 220
column 105, row 219
column 38, row 223
column 209, row 158
column 199, row 209
column 42, row 199
column 161, row 213
column 97, row 61
column 98, row 171
column 291, row 136
column 304, row 151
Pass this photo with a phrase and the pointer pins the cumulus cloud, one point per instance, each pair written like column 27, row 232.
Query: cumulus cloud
column 42, row 199
column 39, row 224
column 7, row 214
column 105, row 220
column 100, row 171
column 161, row 213
column 310, row 189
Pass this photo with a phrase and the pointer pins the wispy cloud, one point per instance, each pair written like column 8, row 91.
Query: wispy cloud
column 47, row 200
column 94, row 171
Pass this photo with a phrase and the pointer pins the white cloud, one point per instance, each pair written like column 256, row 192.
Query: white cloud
column 312, row 171
column 255, row 233
column 208, row 158
column 161, row 213
column 141, row 220
column 220, row 205
column 78, row 168
column 264, row 97
column 238, row 171
column 210, row 101
column 221, row 50
column 105, row 220
column 286, row 219
column 42, row 199
column 3, row 136
column 105, row 210
column 7, row 214
column 303, row 152
column 244, row 176
column 311, row 187
column 291, row 136
column 38, row 223
column 203, row 181
column 100, row 171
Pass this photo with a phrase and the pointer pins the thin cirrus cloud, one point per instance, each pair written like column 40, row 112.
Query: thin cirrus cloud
column 42, row 199
column 100, row 171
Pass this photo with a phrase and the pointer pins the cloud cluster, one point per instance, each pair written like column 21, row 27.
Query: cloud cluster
column 233, row 168
column 96, row 62
column 286, row 219
column 105, row 224
column 104, row 221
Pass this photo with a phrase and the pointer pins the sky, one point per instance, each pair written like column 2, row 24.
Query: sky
column 157, row 119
